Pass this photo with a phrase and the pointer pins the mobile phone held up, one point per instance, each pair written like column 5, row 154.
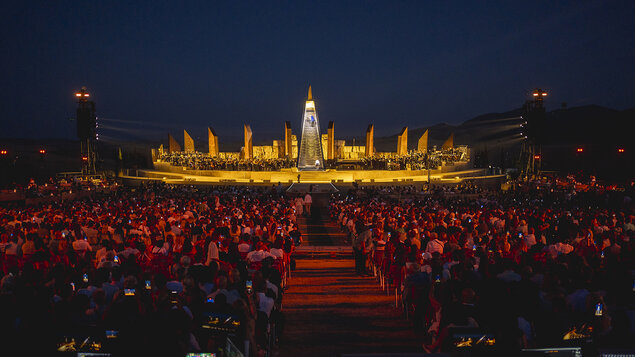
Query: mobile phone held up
column 249, row 286
column 174, row 297
column 599, row 309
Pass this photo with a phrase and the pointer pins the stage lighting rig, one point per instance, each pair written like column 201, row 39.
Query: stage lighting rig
column 533, row 130
column 535, row 115
column 539, row 94
column 87, row 130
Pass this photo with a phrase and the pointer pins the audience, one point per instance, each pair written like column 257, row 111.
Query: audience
column 531, row 265
column 152, row 262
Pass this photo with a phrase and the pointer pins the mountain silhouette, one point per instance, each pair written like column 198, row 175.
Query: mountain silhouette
column 590, row 125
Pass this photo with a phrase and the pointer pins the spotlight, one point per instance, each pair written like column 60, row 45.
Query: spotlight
column 536, row 157
column 620, row 150
column 82, row 94
column 84, row 158
column 42, row 151
column 580, row 150
column 3, row 152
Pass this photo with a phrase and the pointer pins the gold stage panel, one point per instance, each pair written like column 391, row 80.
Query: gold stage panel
column 169, row 173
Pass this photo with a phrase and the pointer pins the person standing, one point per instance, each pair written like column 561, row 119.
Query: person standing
column 212, row 252
column 361, row 241
column 299, row 206
column 307, row 204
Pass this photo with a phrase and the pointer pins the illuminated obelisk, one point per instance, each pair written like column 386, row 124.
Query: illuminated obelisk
column 310, row 156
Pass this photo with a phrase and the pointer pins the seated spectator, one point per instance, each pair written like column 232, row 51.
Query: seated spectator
column 259, row 254
column 435, row 245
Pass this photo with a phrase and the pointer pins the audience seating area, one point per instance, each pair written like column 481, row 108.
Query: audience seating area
column 532, row 267
column 155, row 270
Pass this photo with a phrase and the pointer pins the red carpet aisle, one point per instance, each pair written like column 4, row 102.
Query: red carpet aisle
column 331, row 311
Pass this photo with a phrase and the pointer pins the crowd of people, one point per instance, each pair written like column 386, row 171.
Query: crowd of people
column 416, row 160
column 157, row 270
column 203, row 161
column 534, row 267
column 57, row 186
column 411, row 161
column 168, row 270
column 410, row 191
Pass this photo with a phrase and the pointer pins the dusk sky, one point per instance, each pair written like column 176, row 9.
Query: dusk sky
column 175, row 65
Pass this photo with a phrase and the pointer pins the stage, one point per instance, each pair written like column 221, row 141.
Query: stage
column 181, row 175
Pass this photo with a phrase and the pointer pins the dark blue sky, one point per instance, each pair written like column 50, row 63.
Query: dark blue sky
column 222, row 64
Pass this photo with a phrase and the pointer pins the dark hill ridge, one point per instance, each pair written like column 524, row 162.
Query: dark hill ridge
column 494, row 116
column 584, row 125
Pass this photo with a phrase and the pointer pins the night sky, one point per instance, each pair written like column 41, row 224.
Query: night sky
column 222, row 64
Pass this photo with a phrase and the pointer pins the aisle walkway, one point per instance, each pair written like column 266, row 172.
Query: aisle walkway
column 317, row 229
column 330, row 311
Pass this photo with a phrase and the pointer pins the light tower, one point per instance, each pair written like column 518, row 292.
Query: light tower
column 534, row 115
column 86, row 130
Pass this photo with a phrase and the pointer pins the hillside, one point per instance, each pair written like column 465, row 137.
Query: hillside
column 584, row 125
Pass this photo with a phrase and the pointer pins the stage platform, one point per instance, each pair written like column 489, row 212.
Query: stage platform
column 181, row 175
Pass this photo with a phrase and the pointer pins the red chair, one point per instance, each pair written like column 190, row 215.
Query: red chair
column 160, row 263
column 255, row 266
column 278, row 264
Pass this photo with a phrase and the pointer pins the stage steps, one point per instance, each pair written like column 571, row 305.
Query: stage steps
column 322, row 252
